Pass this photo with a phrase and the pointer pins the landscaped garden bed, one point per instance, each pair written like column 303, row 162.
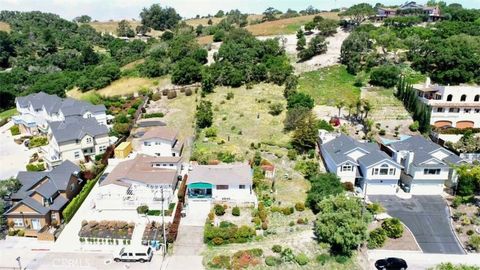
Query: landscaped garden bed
column 466, row 220
column 154, row 231
column 106, row 230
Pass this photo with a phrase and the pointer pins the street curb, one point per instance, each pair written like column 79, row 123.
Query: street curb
column 414, row 238
column 450, row 215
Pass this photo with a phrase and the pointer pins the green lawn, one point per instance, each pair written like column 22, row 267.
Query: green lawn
column 329, row 85
column 8, row 113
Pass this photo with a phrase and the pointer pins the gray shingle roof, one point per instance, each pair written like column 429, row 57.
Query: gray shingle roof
column 423, row 150
column 42, row 210
column 75, row 128
column 339, row 148
column 58, row 203
column 222, row 174
column 54, row 104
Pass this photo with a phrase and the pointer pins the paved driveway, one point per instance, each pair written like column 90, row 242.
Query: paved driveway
column 13, row 157
column 428, row 219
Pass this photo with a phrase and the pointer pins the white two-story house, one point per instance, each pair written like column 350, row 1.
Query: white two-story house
column 36, row 110
column 230, row 183
column 360, row 163
column 451, row 106
column 160, row 142
column 74, row 139
column 139, row 181
column 427, row 166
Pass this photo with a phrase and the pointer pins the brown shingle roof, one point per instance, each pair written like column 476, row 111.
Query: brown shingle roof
column 140, row 169
column 164, row 133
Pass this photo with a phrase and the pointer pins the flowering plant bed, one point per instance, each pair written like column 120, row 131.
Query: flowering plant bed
column 154, row 231
column 106, row 229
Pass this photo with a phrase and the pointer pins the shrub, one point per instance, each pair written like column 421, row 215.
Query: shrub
column 301, row 221
column 470, row 232
column 75, row 203
column 382, row 132
column 156, row 96
column 37, row 141
column 221, row 262
column 301, row 259
column 35, row 167
column 236, row 211
column 210, row 132
column 474, row 242
column 322, row 258
column 277, row 248
column 291, row 223
column 219, row 210
column 217, row 241
column 142, row 209
column 172, row 94
column 21, row 233
column 375, row 208
column 272, row 261
column 131, row 111
column 386, row 76
column 292, row 154
column 300, row 206
column 414, row 126
column 275, row 109
column 393, row 227
column 287, row 211
column 376, row 238
column 230, row 95
column 153, row 115
column 264, row 226
column 287, row 255
column 188, row 92
column 11, row 232
column 84, row 223
column 348, row 186
column 341, row 259
column 15, row 130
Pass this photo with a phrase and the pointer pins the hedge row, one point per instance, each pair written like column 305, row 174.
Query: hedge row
column 77, row 201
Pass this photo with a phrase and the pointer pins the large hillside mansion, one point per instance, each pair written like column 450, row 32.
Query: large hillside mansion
column 408, row 8
column 451, row 106
column 36, row 110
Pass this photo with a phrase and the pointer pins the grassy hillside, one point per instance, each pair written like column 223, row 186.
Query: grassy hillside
column 111, row 27
column 4, row 27
column 329, row 85
column 285, row 26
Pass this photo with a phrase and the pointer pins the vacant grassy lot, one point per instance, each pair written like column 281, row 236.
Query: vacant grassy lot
column 4, row 27
column 285, row 26
column 8, row 113
column 329, row 85
column 132, row 64
column 122, row 86
column 111, row 27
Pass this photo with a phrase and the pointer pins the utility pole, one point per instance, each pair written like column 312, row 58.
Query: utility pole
column 163, row 226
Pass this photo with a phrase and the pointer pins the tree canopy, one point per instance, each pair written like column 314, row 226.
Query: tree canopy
column 160, row 18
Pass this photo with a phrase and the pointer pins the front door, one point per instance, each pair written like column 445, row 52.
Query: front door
column 36, row 224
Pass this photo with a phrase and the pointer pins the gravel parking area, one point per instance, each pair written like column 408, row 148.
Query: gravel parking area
column 13, row 157
column 428, row 219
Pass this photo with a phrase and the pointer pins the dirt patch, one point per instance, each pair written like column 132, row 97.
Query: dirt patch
column 5, row 27
column 466, row 221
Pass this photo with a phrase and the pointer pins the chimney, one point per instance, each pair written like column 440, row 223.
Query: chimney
column 428, row 82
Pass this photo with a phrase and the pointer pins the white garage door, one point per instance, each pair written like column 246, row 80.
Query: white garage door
column 427, row 188
column 385, row 187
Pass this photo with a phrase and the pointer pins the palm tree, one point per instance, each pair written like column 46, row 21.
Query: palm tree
column 339, row 105
column 350, row 107
column 367, row 107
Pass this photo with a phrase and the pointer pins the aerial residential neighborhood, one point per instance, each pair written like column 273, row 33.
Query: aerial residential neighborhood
column 240, row 135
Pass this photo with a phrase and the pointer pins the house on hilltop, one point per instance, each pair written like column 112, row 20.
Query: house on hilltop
column 232, row 183
column 360, row 163
column 36, row 110
column 427, row 166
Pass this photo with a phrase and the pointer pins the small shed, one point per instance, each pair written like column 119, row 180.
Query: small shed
column 123, row 150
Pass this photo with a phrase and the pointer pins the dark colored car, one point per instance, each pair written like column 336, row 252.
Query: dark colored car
column 391, row 264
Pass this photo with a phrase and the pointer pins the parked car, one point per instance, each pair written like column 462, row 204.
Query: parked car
column 133, row 254
column 391, row 264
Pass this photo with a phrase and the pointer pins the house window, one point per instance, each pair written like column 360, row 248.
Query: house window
column 222, row 187
column 454, row 110
column 89, row 140
column 477, row 110
column 431, row 171
column 440, row 109
column 158, row 143
column 146, row 143
column 77, row 154
column 391, row 171
column 375, row 171
column 466, row 110
column 477, row 98
column 18, row 222
column 241, row 186
column 54, row 216
column 449, row 98
column 384, row 169
column 72, row 186
column 102, row 148
column 171, row 165
column 463, row 98
column 346, row 168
